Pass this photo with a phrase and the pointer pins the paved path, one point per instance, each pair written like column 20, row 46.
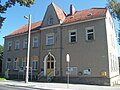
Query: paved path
column 57, row 86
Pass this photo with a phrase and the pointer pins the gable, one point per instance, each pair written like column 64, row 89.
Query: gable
column 53, row 16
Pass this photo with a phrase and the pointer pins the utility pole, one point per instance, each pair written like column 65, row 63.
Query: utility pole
column 28, row 50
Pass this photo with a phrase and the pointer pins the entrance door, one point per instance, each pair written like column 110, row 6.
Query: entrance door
column 50, row 65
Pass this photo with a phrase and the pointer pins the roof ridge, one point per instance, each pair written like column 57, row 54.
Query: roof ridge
column 60, row 13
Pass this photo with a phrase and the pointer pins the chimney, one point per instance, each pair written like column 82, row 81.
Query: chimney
column 72, row 10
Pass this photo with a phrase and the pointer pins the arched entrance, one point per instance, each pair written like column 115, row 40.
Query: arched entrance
column 49, row 65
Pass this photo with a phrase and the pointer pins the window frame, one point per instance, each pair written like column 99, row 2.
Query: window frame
column 47, row 42
column 34, row 63
column 25, row 43
column 17, row 45
column 9, row 47
column 35, row 42
column 70, row 36
column 8, row 64
column 16, row 63
column 50, row 21
column 23, row 63
column 90, row 28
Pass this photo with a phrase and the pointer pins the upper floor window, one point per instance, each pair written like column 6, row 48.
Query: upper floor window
column 49, row 39
column 73, row 36
column 25, row 43
column 8, row 64
column 10, row 45
column 90, row 34
column 35, row 41
column 50, row 21
column 17, row 44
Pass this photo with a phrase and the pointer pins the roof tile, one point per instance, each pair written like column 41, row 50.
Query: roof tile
column 24, row 29
column 78, row 16
column 86, row 15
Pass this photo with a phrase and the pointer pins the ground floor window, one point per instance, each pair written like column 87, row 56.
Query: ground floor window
column 15, row 63
column 8, row 64
column 35, row 62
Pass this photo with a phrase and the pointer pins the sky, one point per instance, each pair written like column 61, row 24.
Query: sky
column 15, row 15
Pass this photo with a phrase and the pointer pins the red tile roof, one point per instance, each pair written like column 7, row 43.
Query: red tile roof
column 24, row 29
column 86, row 15
column 78, row 16
column 60, row 13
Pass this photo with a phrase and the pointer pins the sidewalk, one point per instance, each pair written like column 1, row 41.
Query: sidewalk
column 55, row 86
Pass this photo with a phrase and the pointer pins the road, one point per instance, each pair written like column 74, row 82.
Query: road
column 5, row 87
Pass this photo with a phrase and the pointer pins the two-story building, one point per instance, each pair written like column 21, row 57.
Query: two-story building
column 88, row 36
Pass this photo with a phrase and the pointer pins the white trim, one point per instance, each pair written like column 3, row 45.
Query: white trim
column 20, row 34
column 70, row 35
column 15, row 63
column 88, row 28
column 8, row 67
column 8, row 45
column 45, row 60
column 66, row 24
column 35, row 37
column 50, row 34
column 17, row 45
column 48, row 27
column 24, row 43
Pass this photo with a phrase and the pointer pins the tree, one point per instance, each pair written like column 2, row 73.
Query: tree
column 1, row 52
column 114, row 7
column 9, row 4
column 1, row 57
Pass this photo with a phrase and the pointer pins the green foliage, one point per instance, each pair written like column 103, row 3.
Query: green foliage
column 114, row 7
column 1, row 79
column 10, row 3
column 1, row 52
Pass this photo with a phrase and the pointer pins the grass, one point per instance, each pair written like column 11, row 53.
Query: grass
column 2, row 79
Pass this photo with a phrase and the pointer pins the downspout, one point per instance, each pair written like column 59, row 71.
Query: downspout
column 61, row 72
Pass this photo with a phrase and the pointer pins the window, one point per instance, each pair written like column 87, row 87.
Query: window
column 90, row 35
column 87, row 71
column 15, row 64
column 17, row 44
column 35, row 63
column 35, row 41
column 23, row 64
column 9, row 46
column 25, row 43
column 8, row 63
column 49, row 39
column 50, row 21
column 73, row 36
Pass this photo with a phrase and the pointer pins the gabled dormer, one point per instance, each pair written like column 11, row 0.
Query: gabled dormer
column 53, row 16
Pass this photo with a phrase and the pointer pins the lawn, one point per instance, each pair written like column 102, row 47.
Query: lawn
column 2, row 79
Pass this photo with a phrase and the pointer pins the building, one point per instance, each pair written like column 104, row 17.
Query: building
column 88, row 36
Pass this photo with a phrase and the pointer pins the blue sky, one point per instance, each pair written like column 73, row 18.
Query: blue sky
column 15, row 15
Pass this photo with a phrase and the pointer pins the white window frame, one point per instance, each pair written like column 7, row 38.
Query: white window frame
column 23, row 64
column 47, row 42
column 25, row 43
column 9, row 46
column 72, row 35
column 8, row 64
column 89, row 28
column 35, row 41
column 17, row 44
column 15, row 63
column 35, row 64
